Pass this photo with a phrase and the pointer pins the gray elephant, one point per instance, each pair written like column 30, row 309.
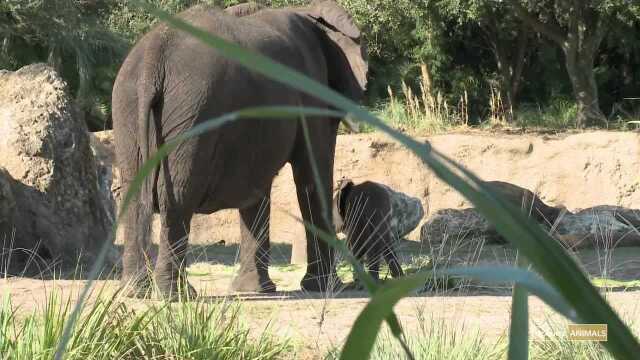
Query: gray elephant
column 372, row 216
column 171, row 82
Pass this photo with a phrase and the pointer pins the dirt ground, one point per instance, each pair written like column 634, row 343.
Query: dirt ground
column 576, row 170
column 318, row 322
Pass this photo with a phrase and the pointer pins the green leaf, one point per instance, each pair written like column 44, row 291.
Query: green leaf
column 519, row 328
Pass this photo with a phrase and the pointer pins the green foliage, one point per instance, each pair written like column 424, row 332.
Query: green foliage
column 109, row 329
column 66, row 34
column 559, row 114
column 469, row 47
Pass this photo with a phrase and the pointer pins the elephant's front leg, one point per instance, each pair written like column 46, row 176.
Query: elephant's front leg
column 254, row 249
column 392, row 260
column 170, row 272
column 321, row 271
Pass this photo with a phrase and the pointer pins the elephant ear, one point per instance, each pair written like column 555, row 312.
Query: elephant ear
column 332, row 14
column 339, row 202
column 344, row 189
column 345, row 51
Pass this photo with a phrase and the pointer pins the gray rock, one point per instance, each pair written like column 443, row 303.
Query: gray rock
column 7, row 206
column 455, row 226
column 45, row 147
column 600, row 226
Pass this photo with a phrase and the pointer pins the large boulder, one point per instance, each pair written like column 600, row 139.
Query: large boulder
column 7, row 206
column 407, row 212
column 44, row 146
column 600, row 226
column 452, row 226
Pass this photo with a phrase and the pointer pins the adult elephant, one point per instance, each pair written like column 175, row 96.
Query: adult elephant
column 170, row 82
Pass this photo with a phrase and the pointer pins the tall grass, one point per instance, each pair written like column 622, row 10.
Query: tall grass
column 426, row 111
column 559, row 114
column 437, row 339
column 110, row 329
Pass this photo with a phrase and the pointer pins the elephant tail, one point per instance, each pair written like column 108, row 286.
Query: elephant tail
column 149, row 91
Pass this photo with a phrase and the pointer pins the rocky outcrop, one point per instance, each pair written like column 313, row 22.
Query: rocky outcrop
column 562, row 168
column 7, row 206
column 599, row 226
column 44, row 147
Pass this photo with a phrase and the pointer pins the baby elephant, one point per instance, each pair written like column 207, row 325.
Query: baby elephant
column 373, row 217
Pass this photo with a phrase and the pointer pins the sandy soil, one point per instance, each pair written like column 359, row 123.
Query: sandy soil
column 318, row 322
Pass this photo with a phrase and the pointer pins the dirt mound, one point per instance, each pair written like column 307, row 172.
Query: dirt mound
column 574, row 170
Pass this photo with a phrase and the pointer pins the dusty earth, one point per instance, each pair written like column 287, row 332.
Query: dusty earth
column 575, row 170
column 317, row 323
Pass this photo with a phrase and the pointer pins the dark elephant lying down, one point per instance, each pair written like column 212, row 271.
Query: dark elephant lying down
column 171, row 82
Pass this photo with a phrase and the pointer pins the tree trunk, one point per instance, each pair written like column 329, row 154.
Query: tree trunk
column 579, row 40
column 580, row 69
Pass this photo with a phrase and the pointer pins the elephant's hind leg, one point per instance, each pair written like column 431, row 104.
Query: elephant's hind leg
column 137, row 264
column 392, row 260
column 178, row 192
column 170, row 272
column 254, row 249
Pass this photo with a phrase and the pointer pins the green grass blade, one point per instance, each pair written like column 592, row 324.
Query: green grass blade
column 365, row 329
column 519, row 327
column 532, row 282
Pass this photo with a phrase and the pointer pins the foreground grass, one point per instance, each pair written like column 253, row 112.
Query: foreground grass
column 438, row 340
column 113, row 329
column 110, row 329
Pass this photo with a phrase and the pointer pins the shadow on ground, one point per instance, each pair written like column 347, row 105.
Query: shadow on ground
column 622, row 265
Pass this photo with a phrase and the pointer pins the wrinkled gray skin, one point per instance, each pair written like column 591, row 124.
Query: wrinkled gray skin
column 364, row 213
column 407, row 212
column 171, row 82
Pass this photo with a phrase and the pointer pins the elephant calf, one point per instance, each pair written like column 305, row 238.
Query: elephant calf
column 374, row 218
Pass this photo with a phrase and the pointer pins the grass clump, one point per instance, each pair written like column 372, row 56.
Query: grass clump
column 426, row 111
column 554, row 344
column 110, row 329
column 559, row 114
column 437, row 340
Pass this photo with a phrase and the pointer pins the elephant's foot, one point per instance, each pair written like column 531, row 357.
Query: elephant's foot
column 321, row 283
column 252, row 281
column 175, row 290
